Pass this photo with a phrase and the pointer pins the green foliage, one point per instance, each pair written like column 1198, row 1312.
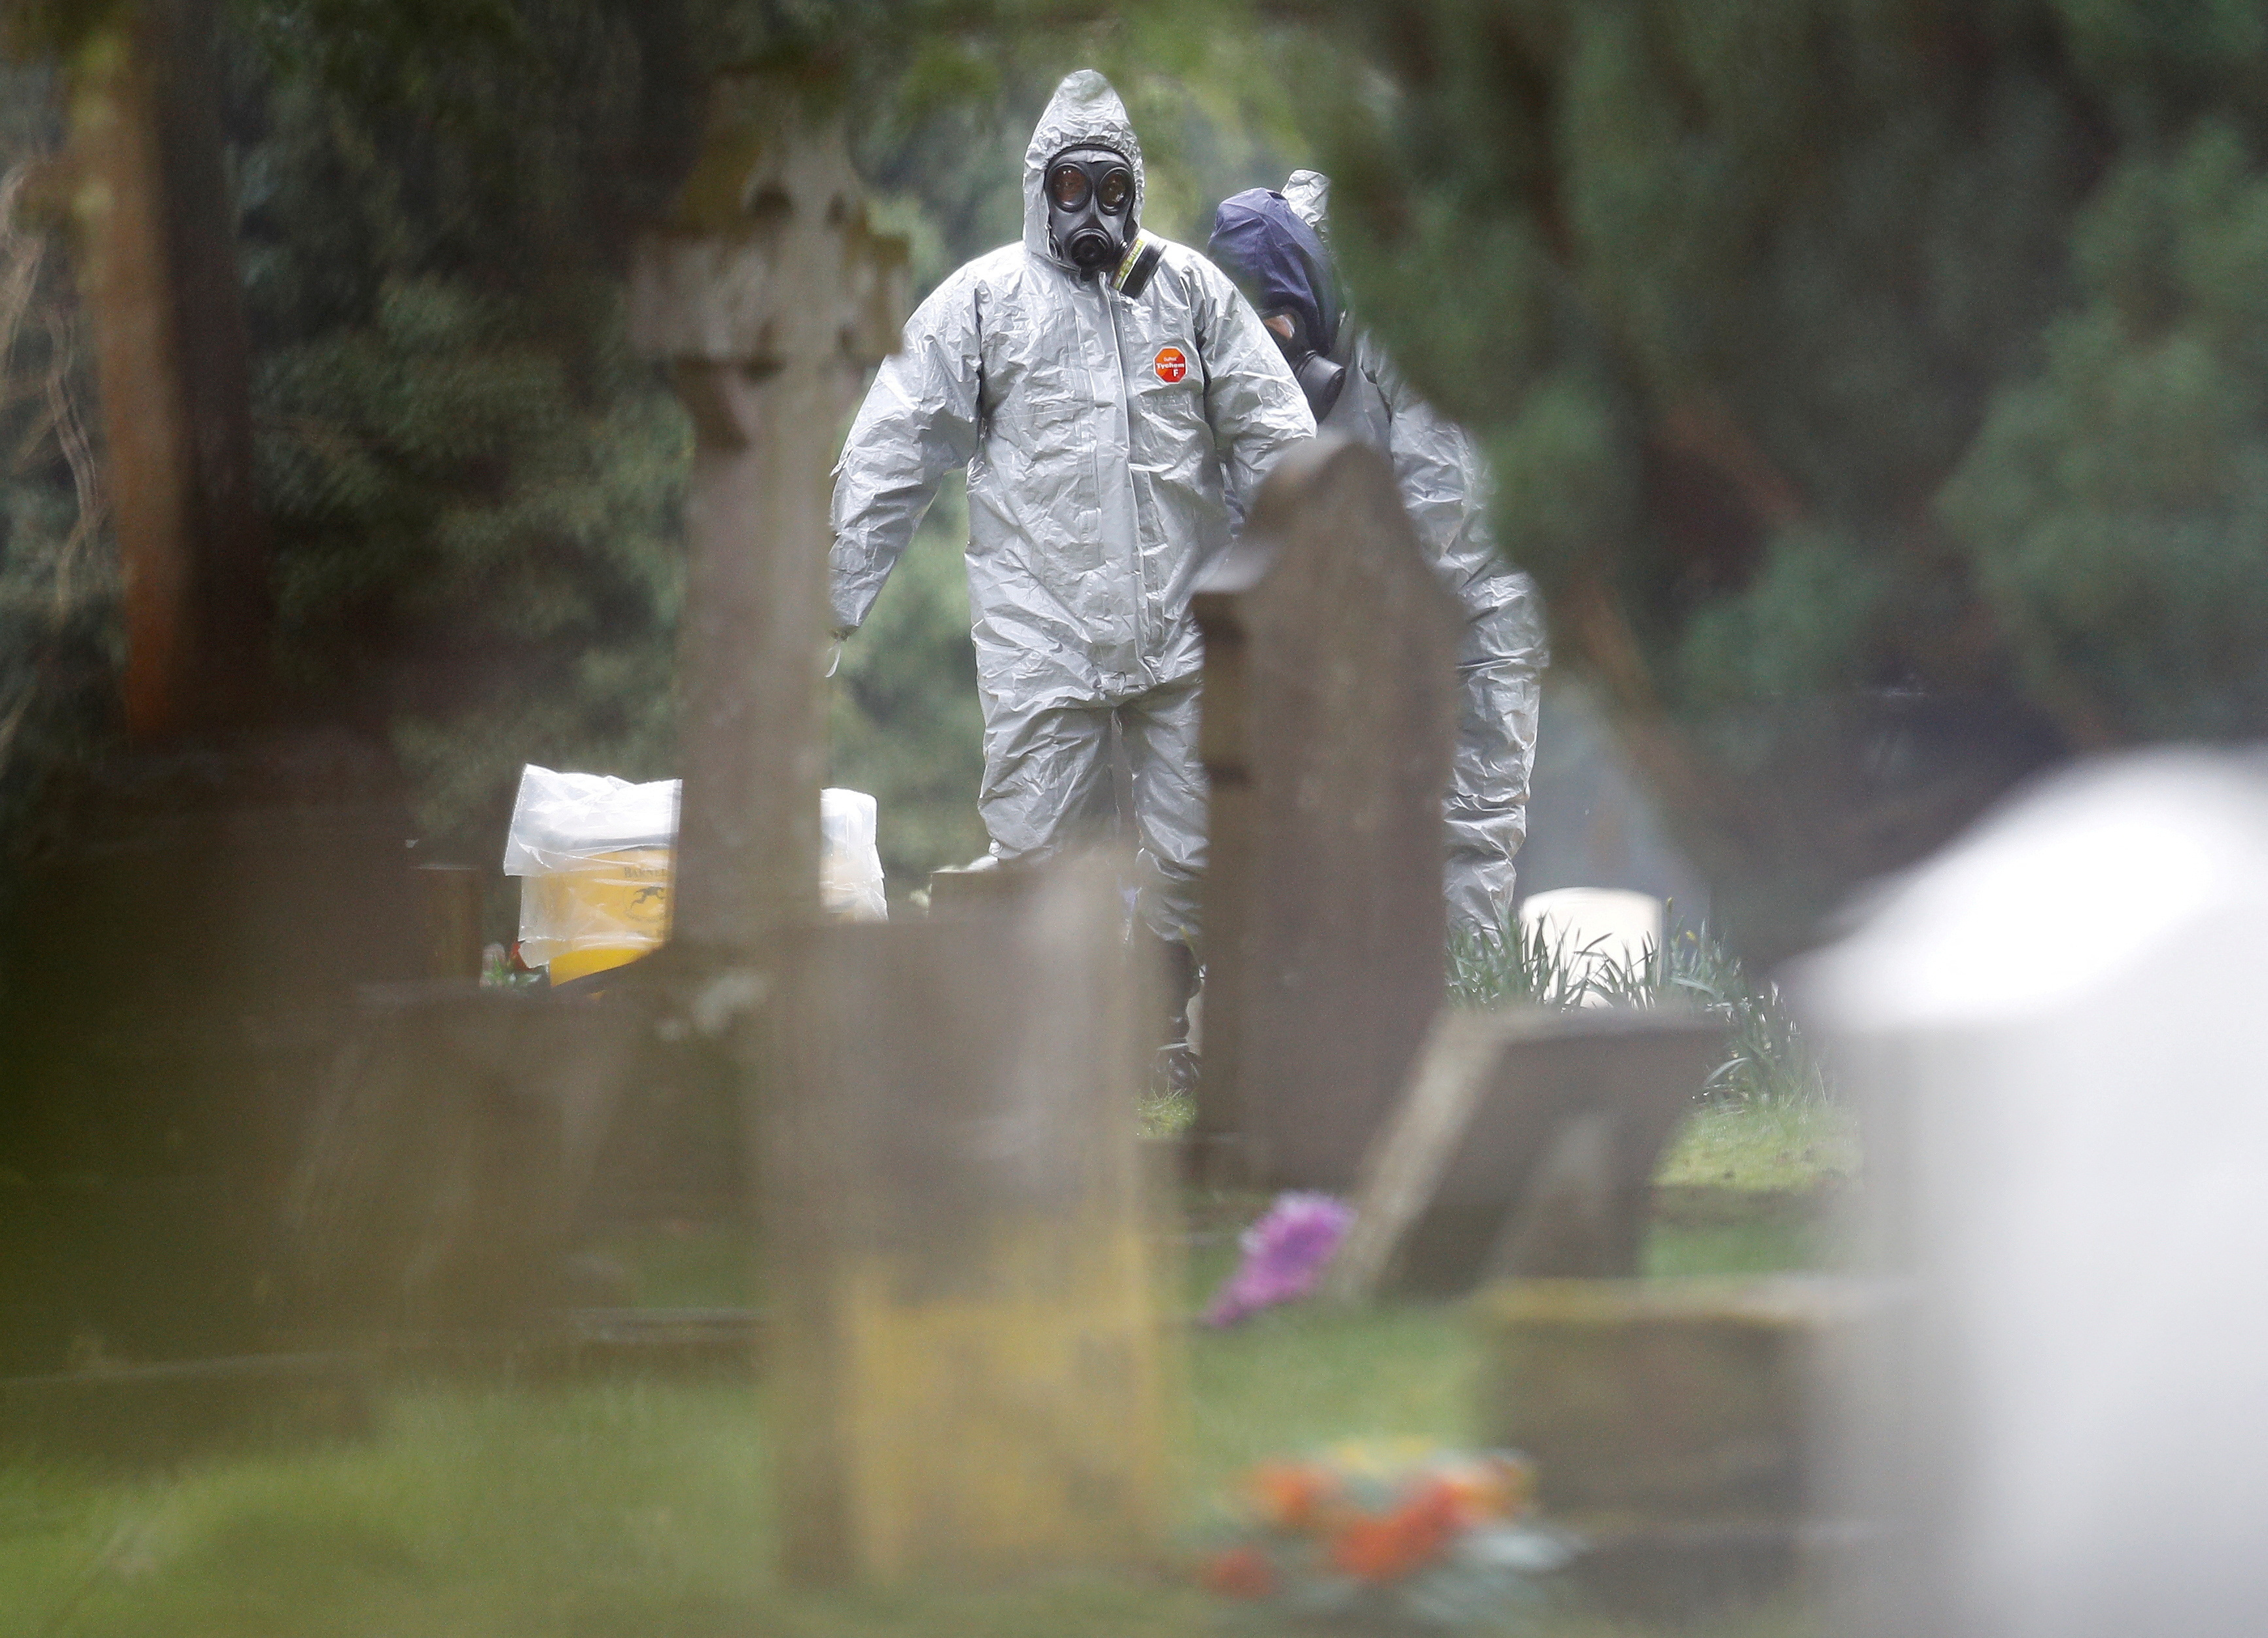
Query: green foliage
column 1808, row 626
column 1562, row 469
column 475, row 544
column 474, row 484
column 1767, row 1060
column 1515, row 965
column 2117, row 503
column 1879, row 390
column 1764, row 1145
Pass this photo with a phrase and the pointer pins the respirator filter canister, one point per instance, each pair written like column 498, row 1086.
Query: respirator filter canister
column 1137, row 265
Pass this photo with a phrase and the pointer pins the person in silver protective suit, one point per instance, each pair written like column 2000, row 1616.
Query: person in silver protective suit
column 1116, row 404
column 1278, row 246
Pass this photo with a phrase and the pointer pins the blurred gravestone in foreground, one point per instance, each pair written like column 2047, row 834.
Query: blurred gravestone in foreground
column 2067, row 1146
column 438, row 1185
column 462, row 1137
column 205, row 899
column 972, row 1373
column 1329, row 712
column 1675, row 1426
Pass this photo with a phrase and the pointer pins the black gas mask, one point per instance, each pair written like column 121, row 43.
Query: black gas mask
column 1319, row 377
column 1091, row 208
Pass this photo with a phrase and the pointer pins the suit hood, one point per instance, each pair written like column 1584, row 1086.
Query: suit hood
column 1084, row 112
column 1308, row 193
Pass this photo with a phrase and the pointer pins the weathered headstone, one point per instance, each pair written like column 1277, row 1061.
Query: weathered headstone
column 455, row 1139
column 971, row 1370
column 1328, row 715
column 1676, row 1424
column 767, row 296
column 1525, row 1146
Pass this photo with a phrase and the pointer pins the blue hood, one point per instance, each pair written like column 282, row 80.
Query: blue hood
column 1264, row 245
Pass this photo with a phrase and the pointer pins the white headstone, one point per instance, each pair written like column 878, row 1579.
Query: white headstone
column 2068, row 1098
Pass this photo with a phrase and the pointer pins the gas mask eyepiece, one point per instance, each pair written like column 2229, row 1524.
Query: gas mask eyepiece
column 1090, row 207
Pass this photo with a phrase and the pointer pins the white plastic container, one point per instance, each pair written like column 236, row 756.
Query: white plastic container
column 1596, row 932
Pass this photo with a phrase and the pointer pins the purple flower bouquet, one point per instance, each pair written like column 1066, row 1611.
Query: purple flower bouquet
column 1283, row 1254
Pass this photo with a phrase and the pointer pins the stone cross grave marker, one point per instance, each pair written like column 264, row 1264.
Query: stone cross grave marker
column 971, row 1368
column 1329, row 719
column 768, row 295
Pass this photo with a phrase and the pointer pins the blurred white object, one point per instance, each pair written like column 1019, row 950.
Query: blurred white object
column 1595, row 931
column 850, row 869
column 2068, row 1149
column 593, row 854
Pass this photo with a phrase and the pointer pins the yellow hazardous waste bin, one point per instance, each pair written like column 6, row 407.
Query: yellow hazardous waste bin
column 593, row 854
column 598, row 912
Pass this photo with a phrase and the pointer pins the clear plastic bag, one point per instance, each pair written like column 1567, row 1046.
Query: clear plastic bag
column 594, row 855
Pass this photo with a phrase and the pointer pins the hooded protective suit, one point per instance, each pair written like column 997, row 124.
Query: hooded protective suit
column 1502, row 658
column 1110, row 445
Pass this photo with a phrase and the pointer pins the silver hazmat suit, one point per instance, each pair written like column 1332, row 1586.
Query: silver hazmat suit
column 1502, row 658
column 1110, row 445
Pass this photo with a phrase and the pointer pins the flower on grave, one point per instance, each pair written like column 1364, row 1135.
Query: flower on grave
column 1240, row 1572
column 1283, row 1254
column 1399, row 1531
column 1382, row 1548
column 1291, row 1495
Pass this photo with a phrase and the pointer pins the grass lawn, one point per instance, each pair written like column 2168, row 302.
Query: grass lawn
column 1772, row 1152
column 636, row 1508
column 1779, row 1145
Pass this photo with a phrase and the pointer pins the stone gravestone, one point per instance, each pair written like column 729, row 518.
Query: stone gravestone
column 971, row 1375
column 454, row 1139
column 1675, row 1424
column 768, row 296
column 1526, row 1147
column 1329, row 716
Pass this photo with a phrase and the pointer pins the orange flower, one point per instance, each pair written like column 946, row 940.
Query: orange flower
column 1291, row 1495
column 1240, row 1573
column 1489, row 1487
column 1371, row 1548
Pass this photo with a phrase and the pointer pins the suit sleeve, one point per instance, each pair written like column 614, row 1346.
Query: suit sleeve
column 918, row 422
